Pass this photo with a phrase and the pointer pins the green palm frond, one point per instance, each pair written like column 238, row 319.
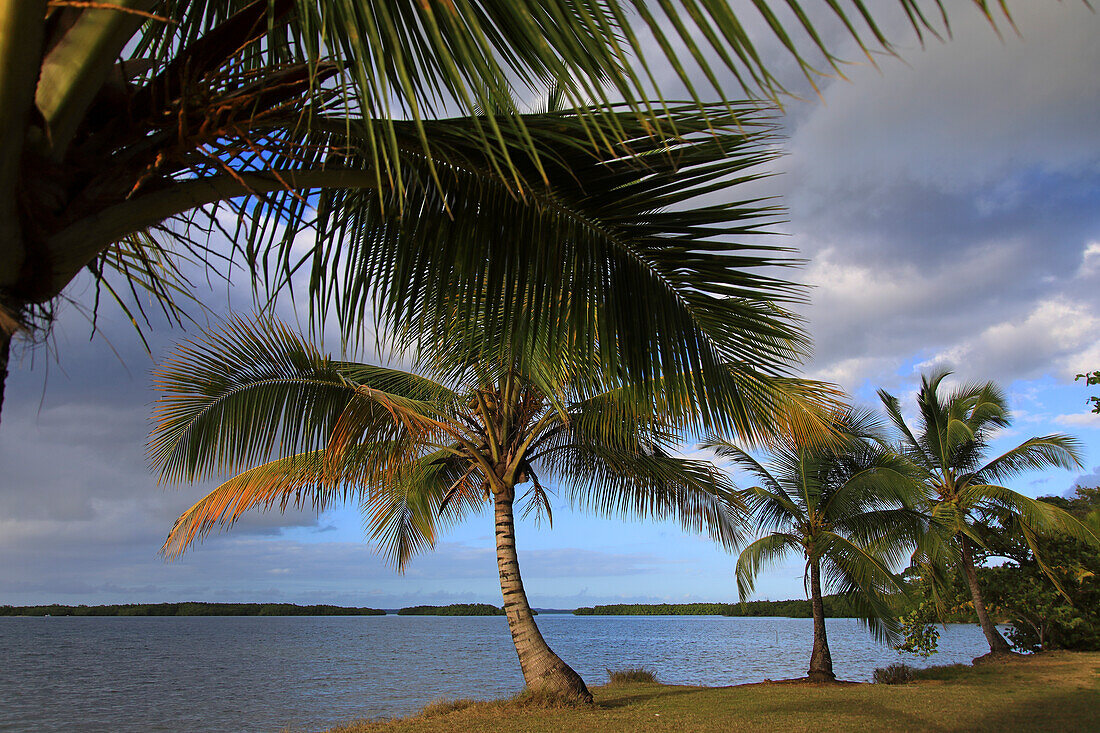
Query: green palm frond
column 862, row 576
column 233, row 396
column 1039, row 453
column 229, row 398
column 1037, row 515
column 757, row 555
column 589, row 267
column 627, row 484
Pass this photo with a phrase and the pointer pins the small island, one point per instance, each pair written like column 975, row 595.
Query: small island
column 835, row 607
column 454, row 609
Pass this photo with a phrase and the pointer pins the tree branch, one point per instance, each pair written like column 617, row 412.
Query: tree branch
column 71, row 249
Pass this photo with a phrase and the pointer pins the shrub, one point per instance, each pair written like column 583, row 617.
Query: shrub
column 442, row 707
column 894, row 674
column 631, row 674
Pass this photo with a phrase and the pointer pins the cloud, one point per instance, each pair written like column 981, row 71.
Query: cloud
column 1082, row 419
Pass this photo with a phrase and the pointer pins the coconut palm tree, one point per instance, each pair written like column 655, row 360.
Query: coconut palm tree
column 843, row 506
column 127, row 126
column 420, row 454
column 961, row 488
column 507, row 387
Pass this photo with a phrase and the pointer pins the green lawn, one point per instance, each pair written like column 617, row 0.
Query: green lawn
column 1058, row 691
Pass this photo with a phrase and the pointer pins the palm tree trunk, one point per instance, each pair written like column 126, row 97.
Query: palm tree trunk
column 5, row 351
column 997, row 642
column 821, row 660
column 543, row 670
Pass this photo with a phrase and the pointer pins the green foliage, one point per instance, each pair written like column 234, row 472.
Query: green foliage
column 1056, row 607
column 836, row 606
column 844, row 505
column 1091, row 379
column 919, row 636
column 894, row 674
column 454, row 609
column 190, row 609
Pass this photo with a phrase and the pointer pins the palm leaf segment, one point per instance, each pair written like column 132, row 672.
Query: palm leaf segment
column 416, row 454
column 845, row 505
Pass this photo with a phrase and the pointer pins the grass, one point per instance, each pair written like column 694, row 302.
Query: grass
column 1053, row 691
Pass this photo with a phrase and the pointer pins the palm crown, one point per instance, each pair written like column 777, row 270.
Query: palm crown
column 124, row 123
column 419, row 453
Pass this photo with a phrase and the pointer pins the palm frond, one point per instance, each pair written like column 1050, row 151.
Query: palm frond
column 758, row 555
column 627, row 484
column 301, row 479
column 1047, row 451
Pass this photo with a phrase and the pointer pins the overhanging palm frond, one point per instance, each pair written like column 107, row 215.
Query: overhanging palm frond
column 603, row 264
column 862, row 576
column 297, row 478
column 404, row 514
column 1039, row 516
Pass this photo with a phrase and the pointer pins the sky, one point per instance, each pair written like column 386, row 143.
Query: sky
column 946, row 203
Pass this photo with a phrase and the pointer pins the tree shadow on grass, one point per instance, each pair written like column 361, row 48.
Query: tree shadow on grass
column 1065, row 711
column 645, row 695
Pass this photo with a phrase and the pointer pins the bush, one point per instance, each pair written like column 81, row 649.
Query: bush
column 631, row 675
column 442, row 707
column 895, row 674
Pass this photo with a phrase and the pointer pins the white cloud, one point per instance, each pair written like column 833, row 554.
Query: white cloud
column 1054, row 337
column 1083, row 419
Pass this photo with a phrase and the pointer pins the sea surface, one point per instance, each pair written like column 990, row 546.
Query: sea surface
column 309, row 673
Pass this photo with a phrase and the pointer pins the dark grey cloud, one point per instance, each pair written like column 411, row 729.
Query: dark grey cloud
column 948, row 204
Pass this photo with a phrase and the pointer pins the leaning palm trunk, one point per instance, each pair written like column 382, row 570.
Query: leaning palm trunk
column 5, row 351
column 821, row 660
column 543, row 670
column 997, row 643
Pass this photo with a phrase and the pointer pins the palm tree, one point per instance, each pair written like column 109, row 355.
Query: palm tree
column 844, row 507
column 127, row 125
column 420, row 454
column 961, row 489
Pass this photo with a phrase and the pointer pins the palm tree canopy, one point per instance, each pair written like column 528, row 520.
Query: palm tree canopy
column 417, row 453
column 949, row 448
column 117, row 116
column 846, row 505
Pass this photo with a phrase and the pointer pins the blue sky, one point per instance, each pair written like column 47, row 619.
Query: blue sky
column 947, row 203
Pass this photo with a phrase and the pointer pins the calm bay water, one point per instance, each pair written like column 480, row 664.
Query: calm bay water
column 303, row 673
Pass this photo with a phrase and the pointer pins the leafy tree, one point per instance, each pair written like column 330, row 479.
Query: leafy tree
column 1091, row 379
column 1056, row 608
column 126, row 126
column 421, row 454
column 843, row 507
column 960, row 489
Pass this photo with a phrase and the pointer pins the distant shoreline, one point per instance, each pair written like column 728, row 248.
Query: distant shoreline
column 835, row 607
